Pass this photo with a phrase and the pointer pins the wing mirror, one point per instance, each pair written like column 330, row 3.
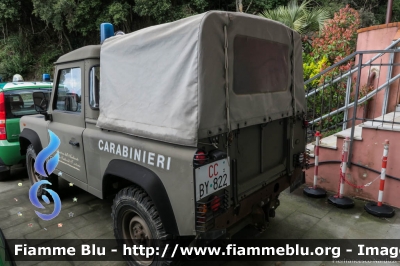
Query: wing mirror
column 41, row 103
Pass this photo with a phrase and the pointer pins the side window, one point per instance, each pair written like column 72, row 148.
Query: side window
column 69, row 90
column 94, row 91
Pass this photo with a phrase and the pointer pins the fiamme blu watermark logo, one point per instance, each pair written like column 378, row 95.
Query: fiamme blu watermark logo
column 44, row 166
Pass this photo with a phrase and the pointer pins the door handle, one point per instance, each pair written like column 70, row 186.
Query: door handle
column 74, row 143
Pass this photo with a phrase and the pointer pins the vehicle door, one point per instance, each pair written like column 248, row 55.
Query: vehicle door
column 68, row 121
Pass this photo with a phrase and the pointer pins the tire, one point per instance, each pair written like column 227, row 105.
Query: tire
column 5, row 175
column 34, row 176
column 135, row 215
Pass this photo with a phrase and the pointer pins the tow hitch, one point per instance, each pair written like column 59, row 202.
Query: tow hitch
column 261, row 212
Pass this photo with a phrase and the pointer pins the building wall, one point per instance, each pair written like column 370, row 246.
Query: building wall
column 378, row 38
column 368, row 152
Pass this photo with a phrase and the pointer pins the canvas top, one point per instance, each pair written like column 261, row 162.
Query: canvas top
column 175, row 82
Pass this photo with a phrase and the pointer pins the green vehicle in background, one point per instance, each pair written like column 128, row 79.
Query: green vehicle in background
column 5, row 256
column 15, row 101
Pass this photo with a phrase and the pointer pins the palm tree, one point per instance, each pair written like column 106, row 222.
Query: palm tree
column 301, row 18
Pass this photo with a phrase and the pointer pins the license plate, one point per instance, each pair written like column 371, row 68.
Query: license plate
column 211, row 178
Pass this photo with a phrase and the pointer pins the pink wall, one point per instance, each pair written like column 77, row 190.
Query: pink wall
column 377, row 38
column 367, row 152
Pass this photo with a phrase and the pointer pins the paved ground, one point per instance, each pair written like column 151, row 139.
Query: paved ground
column 297, row 217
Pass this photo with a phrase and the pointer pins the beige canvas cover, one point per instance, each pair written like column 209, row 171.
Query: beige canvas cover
column 169, row 82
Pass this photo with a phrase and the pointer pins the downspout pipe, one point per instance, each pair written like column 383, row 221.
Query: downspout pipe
column 389, row 11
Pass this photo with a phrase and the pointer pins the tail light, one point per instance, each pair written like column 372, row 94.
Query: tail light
column 3, row 134
column 215, row 203
column 207, row 211
column 200, row 158
column 202, row 211
column 305, row 123
column 203, row 208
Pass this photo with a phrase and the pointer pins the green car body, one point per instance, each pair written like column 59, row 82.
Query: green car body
column 5, row 256
column 15, row 102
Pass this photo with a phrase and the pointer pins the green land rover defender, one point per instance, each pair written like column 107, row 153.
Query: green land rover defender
column 194, row 127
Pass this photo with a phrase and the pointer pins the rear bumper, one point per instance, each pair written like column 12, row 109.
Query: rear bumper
column 234, row 220
column 9, row 154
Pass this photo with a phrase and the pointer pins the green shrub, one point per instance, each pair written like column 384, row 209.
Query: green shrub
column 44, row 63
column 15, row 56
column 336, row 41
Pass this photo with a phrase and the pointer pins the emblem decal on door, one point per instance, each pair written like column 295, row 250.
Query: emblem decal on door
column 45, row 165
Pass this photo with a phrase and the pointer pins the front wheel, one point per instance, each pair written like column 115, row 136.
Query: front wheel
column 35, row 176
column 136, row 222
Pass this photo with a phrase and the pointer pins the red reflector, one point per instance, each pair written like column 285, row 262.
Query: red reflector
column 200, row 157
column 3, row 134
column 305, row 123
column 215, row 204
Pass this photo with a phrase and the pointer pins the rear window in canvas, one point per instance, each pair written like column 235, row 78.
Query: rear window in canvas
column 260, row 66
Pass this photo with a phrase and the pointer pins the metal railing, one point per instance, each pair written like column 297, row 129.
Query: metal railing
column 338, row 99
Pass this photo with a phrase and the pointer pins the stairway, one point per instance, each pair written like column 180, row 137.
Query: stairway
column 330, row 142
column 367, row 152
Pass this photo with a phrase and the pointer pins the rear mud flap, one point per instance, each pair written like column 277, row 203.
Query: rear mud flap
column 300, row 180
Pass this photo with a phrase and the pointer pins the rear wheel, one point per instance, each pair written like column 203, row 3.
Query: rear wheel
column 35, row 176
column 136, row 222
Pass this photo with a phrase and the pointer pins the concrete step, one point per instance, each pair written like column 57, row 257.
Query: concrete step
column 310, row 147
column 330, row 142
column 387, row 125
column 347, row 132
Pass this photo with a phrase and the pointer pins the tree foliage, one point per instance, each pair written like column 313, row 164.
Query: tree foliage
column 165, row 10
column 9, row 10
column 372, row 12
column 16, row 54
column 33, row 33
column 335, row 41
column 339, row 36
column 301, row 18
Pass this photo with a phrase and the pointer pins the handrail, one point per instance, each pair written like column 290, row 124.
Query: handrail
column 381, row 52
column 330, row 68
column 357, row 70
column 361, row 100
column 345, row 74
